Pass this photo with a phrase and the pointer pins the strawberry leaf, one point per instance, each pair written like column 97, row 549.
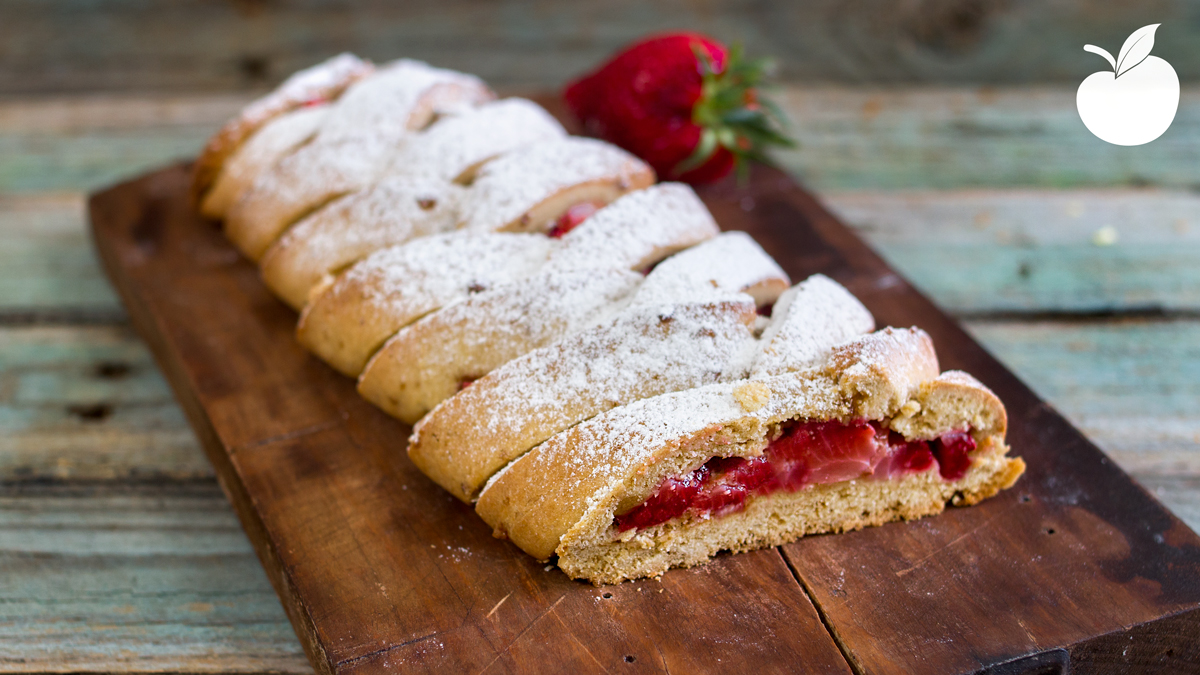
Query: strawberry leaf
column 731, row 112
column 704, row 149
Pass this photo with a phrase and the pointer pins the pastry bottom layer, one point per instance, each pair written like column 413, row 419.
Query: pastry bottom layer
column 783, row 517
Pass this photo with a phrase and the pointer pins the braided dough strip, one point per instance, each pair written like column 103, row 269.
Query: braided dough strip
column 393, row 287
column 581, row 284
column 262, row 151
column 362, row 132
column 642, row 353
column 418, row 197
column 419, row 368
column 528, row 189
column 322, row 82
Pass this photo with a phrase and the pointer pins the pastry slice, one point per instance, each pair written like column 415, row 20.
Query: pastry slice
column 395, row 286
column 454, row 148
column 641, row 353
column 581, row 284
column 872, row 436
column 648, row 350
column 531, row 189
column 311, row 86
column 806, row 322
column 275, row 140
column 417, row 370
column 732, row 260
column 419, row 197
column 362, row 132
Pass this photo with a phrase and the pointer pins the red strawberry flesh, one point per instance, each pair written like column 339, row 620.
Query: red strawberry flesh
column 811, row 453
column 573, row 217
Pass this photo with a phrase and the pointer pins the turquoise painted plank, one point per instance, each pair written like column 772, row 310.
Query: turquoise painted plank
column 120, row 579
column 83, row 143
column 974, row 252
column 1132, row 386
column 88, row 403
column 89, row 161
column 192, row 44
column 861, row 138
column 979, row 251
column 46, row 258
column 852, row 138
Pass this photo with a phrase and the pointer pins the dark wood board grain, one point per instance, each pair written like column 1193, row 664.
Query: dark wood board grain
column 1075, row 568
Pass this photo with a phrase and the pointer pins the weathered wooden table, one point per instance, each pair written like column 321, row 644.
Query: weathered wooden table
column 118, row 551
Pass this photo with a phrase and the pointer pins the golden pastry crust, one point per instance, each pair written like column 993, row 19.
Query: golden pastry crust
column 417, row 197
column 322, row 82
column 432, row 359
column 470, row 436
column 263, row 150
column 581, row 284
column 391, row 212
column 527, row 190
column 561, row 497
column 351, row 151
column 393, row 287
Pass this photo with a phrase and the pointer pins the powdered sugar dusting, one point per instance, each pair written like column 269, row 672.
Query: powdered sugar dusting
column 258, row 154
column 489, row 329
column 638, row 229
column 379, row 107
column 903, row 354
column 807, row 321
column 642, row 353
column 311, row 84
column 731, row 262
column 392, row 211
column 360, row 134
column 604, row 451
column 457, row 143
column 438, row 269
column 508, row 186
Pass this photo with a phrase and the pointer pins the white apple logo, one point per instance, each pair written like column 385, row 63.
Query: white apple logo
column 1135, row 102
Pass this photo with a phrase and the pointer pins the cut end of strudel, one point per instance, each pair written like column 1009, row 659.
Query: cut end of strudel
column 871, row 436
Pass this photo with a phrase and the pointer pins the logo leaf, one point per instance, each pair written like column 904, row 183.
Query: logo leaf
column 1102, row 52
column 1136, row 48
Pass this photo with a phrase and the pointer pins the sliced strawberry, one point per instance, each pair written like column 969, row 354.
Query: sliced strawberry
column 826, row 452
column 811, row 453
column 952, row 452
column 573, row 217
column 904, row 457
column 671, row 500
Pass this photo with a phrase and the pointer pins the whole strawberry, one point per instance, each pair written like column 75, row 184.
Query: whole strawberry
column 684, row 103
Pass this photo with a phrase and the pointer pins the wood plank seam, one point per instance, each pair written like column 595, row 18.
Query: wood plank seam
column 824, row 616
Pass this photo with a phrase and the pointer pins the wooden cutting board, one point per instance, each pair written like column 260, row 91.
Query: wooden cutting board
column 1076, row 569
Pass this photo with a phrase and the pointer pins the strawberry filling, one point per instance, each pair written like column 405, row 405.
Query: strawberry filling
column 573, row 217
column 810, row 453
column 314, row 102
